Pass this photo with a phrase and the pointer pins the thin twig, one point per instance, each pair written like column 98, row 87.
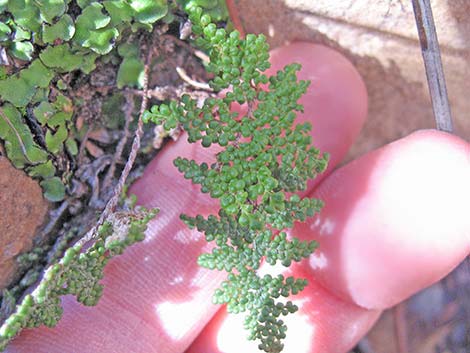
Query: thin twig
column 111, row 205
column 433, row 64
column 200, row 85
column 113, row 201
column 81, row 149
column 160, row 93
column 203, row 56
column 129, row 108
column 54, row 217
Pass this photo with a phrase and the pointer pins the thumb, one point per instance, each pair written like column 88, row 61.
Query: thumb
column 395, row 220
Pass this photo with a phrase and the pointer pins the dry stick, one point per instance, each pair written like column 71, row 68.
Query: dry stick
column 152, row 93
column 122, row 142
column 441, row 108
column 81, row 149
column 111, row 205
column 433, row 64
column 200, row 85
column 113, row 201
column 203, row 56
column 54, row 217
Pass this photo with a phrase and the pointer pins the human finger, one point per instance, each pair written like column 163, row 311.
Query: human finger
column 395, row 220
column 382, row 238
column 156, row 298
column 323, row 323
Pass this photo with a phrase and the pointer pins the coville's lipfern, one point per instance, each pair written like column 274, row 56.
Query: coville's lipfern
column 265, row 159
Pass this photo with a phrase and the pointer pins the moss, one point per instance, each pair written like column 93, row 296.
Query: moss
column 78, row 273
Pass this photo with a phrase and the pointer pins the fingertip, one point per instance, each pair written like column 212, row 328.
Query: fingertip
column 395, row 220
column 324, row 323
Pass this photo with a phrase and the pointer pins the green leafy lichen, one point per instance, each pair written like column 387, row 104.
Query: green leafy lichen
column 216, row 9
column 131, row 70
column 21, row 147
column 52, row 39
column 19, row 142
column 61, row 58
column 63, row 29
column 54, row 189
column 265, row 159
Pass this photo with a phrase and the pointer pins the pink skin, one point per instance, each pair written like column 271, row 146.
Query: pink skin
column 387, row 238
column 396, row 220
column 385, row 233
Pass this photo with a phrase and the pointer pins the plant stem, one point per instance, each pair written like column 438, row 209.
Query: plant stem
column 433, row 64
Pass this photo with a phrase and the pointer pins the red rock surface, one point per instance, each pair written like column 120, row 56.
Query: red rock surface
column 22, row 211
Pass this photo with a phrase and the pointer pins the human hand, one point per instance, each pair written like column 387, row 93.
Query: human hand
column 394, row 222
